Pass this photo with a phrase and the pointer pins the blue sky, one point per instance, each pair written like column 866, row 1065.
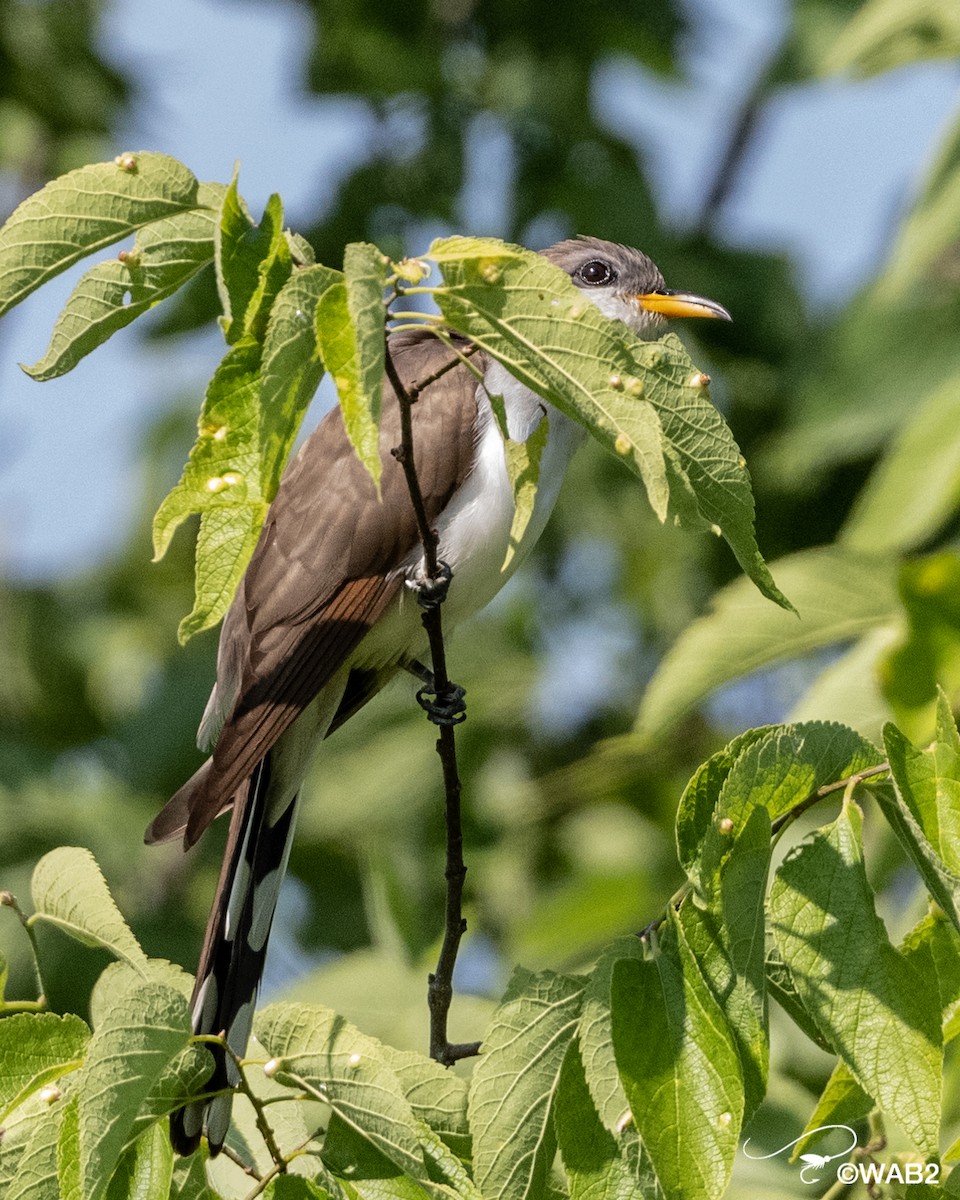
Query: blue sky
column 832, row 168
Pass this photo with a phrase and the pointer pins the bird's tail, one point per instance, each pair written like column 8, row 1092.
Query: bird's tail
column 234, row 949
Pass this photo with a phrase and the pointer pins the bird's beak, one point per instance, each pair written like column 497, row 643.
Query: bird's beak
column 681, row 304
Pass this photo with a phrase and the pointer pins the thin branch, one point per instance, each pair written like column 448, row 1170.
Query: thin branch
column 243, row 1085
column 847, row 784
column 275, row 1170
column 432, row 591
column 9, row 900
column 235, row 1158
column 828, row 789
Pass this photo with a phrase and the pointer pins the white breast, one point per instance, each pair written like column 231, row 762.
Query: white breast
column 475, row 526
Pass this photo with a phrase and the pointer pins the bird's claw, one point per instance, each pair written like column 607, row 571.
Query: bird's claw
column 432, row 590
column 448, row 707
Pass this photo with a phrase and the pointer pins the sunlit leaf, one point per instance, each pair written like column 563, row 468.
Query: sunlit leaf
column 129, row 1050
column 253, row 262
column 679, row 1067
column 165, row 256
column 345, row 1067
column 884, row 34
column 290, row 370
column 35, row 1050
column 599, row 1166
column 351, row 337
column 513, row 1085
column 69, row 891
column 878, row 1012
column 84, row 211
column 644, row 401
column 222, row 482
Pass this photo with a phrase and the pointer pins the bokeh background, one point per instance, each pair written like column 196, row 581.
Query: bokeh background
column 799, row 162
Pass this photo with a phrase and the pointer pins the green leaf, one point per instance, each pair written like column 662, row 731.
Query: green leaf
column 145, row 1172
column 781, row 987
column 884, row 34
column 295, row 1187
column 446, row 1169
column 842, row 1101
column 644, row 401
column 361, row 1171
column 291, row 369
column 35, row 1050
column 221, row 481
column 878, row 1012
column 345, row 1066
column 727, row 938
column 148, row 1028
column 778, row 771
column 523, row 470
column 701, row 795
column 190, row 1178
column 165, row 256
column 924, row 808
column 929, row 782
column 927, row 655
column 253, row 263
column 915, row 488
column 933, row 948
column 595, row 1035
column 437, row 1096
column 599, row 1166
column 680, row 1069
column 84, row 211
column 117, row 977
column 35, row 1176
column 351, row 335
column 513, row 1085
column 68, row 1153
column 839, row 596
column 70, row 892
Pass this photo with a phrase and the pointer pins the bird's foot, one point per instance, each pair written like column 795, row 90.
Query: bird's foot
column 445, row 707
column 432, row 590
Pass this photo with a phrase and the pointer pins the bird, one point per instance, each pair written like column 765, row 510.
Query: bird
column 325, row 615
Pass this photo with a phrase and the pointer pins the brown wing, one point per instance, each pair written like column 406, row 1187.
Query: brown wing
column 317, row 582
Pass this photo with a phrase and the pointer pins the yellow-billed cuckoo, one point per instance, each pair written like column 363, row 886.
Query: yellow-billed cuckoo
column 325, row 615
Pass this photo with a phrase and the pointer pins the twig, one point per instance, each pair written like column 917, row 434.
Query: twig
column 235, row 1158
column 9, row 900
column 828, row 789
column 839, row 785
column 243, row 1085
column 433, row 590
column 265, row 1180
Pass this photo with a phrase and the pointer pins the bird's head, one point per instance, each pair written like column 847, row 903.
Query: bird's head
column 626, row 285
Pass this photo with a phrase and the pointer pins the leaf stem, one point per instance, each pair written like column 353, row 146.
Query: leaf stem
column 265, row 1180
column 9, row 900
column 847, row 784
column 263, row 1125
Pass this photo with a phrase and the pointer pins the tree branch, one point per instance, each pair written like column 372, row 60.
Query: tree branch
column 432, row 591
column 776, row 827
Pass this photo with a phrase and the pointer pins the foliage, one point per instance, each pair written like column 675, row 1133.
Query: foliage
column 848, row 423
column 641, row 1071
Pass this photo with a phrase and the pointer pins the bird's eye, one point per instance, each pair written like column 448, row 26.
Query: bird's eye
column 596, row 273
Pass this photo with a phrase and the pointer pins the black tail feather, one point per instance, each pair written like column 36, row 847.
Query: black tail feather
column 234, row 950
